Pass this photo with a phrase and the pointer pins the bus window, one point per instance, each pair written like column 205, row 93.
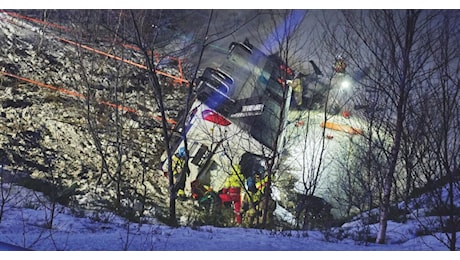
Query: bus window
column 255, row 83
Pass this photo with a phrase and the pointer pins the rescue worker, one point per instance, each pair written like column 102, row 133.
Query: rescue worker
column 340, row 65
column 253, row 202
column 180, row 172
column 297, row 91
column 207, row 198
column 231, row 192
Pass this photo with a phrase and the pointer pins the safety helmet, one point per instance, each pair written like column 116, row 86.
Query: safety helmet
column 181, row 152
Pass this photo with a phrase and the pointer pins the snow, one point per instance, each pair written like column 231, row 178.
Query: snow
column 84, row 233
column 26, row 213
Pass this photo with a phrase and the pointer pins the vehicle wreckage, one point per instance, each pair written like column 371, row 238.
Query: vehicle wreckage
column 235, row 122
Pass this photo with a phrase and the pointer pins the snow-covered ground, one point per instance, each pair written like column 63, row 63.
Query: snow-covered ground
column 27, row 212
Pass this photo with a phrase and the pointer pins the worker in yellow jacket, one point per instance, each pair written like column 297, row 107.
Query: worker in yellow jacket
column 180, row 172
column 253, row 201
column 231, row 192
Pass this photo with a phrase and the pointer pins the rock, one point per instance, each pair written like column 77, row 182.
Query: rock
column 45, row 128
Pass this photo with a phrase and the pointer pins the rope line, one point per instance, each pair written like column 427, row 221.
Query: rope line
column 78, row 95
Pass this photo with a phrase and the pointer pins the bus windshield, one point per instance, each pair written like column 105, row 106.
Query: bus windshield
column 256, row 98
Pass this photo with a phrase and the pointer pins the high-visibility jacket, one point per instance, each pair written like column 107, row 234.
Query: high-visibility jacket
column 235, row 178
column 256, row 196
column 231, row 192
column 260, row 185
column 178, row 164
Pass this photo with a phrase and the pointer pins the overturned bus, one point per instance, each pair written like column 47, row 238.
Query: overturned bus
column 240, row 110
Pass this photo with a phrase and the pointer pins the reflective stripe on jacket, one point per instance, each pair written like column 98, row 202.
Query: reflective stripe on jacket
column 235, row 178
column 178, row 164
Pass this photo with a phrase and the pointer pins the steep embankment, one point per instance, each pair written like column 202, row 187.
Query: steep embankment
column 79, row 115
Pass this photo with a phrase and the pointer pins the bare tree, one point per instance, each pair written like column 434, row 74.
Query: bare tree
column 279, row 35
column 115, row 118
column 7, row 178
column 392, row 45
column 202, row 38
column 437, row 113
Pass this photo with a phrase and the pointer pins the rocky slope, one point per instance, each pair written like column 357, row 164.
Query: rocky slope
column 59, row 123
column 78, row 119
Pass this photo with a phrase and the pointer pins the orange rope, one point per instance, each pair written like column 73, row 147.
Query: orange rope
column 176, row 79
column 62, row 90
column 121, row 59
column 78, row 95
column 35, row 20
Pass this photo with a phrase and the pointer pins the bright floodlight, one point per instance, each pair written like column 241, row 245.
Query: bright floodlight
column 345, row 84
